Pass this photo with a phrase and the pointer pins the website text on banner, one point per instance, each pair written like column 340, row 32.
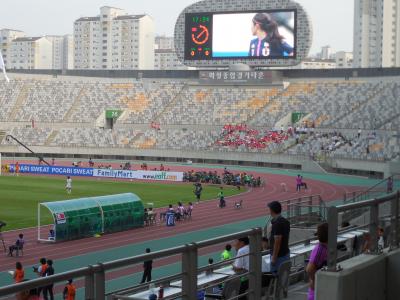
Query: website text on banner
column 52, row 170
column 142, row 175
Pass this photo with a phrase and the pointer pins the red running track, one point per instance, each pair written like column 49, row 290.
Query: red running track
column 205, row 215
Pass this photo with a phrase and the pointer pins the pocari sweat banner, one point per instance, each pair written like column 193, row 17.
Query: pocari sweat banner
column 52, row 170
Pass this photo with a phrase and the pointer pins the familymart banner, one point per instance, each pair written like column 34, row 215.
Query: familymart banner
column 142, row 175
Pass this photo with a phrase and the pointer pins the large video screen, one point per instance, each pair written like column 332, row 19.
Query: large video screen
column 267, row 34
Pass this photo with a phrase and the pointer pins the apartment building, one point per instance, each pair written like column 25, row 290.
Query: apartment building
column 376, row 33
column 6, row 37
column 31, row 53
column 63, row 51
column 114, row 40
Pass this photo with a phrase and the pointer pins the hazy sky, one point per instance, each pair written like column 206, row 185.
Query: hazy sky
column 332, row 19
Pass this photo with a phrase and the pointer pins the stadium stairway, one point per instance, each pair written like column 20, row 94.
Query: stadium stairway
column 2, row 135
column 21, row 99
column 171, row 104
column 50, row 138
column 360, row 105
column 74, row 105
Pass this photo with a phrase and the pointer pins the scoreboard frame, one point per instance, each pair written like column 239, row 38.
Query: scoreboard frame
column 303, row 32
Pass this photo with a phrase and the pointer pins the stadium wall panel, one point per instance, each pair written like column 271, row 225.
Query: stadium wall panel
column 280, row 161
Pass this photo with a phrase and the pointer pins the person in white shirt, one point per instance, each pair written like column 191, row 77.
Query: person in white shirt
column 242, row 264
column 68, row 186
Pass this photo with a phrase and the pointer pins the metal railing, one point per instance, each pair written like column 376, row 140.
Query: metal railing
column 373, row 191
column 299, row 208
column 373, row 205
column 304, row 208
column 95, row 275
column 287, row 205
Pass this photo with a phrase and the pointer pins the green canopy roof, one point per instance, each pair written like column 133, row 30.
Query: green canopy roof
column 84, row 217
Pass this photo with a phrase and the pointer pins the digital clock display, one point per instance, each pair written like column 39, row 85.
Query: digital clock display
column 198, row 42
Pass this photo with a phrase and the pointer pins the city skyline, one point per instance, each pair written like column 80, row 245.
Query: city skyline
column 36, row 16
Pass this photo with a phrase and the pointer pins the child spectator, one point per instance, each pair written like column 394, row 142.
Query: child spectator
column 69, row 291
column 19, row 272
column 226, row 254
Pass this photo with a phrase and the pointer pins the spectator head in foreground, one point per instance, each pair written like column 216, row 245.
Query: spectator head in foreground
column 244, row 241
column 264, row 243
column 322, row 233
column 275, row 208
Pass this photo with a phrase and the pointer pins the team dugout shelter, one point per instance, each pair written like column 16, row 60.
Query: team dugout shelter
column 86, row 217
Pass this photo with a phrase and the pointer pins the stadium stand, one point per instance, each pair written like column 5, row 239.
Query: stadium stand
column 373, row 146
column 65, row 111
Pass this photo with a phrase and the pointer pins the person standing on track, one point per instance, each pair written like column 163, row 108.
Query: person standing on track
column 389, row 185
column 147, row 268
column 298, row 183
column 68, row 185
column 16, row 169
column 221, row 197
column 197, row 191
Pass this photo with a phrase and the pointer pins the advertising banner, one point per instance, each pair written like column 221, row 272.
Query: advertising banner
column 142, row 175
column 60, row 218
column 52, row 170
column 104, row 173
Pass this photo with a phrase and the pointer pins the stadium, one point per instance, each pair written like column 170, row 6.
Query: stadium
column 97, row 166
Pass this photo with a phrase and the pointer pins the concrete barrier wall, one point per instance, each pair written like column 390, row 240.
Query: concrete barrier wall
column 284, row 161
column 393, row 275
column 365, row 277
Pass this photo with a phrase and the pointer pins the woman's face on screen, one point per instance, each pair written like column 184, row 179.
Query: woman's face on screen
column 254, row 28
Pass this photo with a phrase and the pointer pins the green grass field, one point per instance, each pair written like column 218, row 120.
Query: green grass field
column 19, row 196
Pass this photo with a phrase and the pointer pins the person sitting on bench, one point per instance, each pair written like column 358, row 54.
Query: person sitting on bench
column 164, row 214
column 19, row 245
column 52, row 235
